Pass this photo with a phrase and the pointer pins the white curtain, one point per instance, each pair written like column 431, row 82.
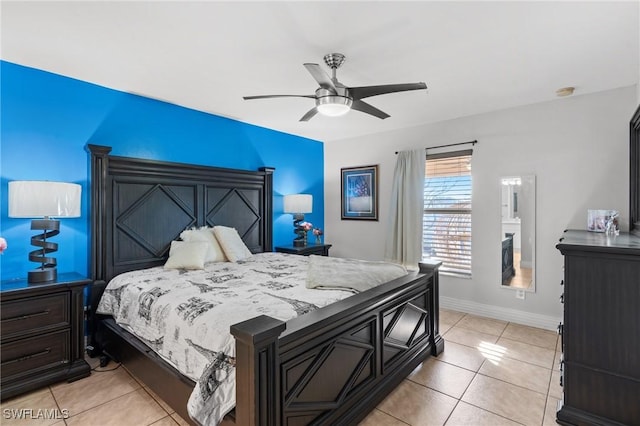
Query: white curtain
column 404, row 231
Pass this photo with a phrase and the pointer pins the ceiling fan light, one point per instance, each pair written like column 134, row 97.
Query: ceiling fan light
column 333, row 106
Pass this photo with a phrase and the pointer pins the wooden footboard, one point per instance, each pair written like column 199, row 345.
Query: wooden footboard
column 334, row 365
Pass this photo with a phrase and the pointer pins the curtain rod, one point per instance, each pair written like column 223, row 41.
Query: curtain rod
column 451, row 144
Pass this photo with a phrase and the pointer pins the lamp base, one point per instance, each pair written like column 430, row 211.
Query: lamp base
column 47, row 271
column 300, row 240
column 42, row 275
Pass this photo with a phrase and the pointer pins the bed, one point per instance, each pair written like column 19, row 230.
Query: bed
column 367, row 343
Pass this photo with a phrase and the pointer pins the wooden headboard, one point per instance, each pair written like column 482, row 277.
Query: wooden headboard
column 139, row 206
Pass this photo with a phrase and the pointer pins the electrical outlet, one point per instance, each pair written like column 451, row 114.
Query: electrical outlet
column 520, row 294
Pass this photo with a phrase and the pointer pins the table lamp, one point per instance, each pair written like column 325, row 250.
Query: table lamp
column 35, row 199
column 298, row 205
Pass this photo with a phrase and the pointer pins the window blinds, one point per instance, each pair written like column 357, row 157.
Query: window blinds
column 446, row 234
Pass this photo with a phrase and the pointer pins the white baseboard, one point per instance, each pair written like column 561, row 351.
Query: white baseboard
column 497, row 312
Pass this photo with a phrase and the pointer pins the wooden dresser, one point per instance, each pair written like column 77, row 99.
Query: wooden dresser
column 42, row 333
column 601, row 329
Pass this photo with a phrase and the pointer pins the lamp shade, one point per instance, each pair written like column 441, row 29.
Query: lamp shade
column 32, row 198
column 298, row 203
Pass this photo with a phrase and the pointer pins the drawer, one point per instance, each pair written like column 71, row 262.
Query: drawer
column 35, row 354
column 34, row 314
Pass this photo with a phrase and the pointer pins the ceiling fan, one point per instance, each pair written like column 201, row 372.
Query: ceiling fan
column 334, row 98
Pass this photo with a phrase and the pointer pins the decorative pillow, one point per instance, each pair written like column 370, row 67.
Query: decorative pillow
column 184, row 255
column 205, row 235
column 230, row 241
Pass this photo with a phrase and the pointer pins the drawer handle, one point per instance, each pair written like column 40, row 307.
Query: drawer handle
column 24, row 317
column 562, row 298
column 26, row 357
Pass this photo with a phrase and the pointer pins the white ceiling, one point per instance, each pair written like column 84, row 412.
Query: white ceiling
column 474, row 56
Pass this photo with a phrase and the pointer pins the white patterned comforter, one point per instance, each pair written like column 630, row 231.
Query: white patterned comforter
column 185, row 316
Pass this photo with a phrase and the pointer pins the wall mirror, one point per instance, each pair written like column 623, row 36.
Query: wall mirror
column 518, row 232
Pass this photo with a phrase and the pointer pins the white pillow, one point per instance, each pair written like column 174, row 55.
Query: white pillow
column 230, row 241
column 205, row 235
column 184, row 255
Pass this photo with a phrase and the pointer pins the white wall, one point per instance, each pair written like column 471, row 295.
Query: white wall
column 578, row 149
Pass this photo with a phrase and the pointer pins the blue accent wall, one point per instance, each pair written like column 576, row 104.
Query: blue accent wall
column 47, row 120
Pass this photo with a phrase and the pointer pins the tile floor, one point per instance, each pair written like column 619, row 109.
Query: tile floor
column 491, row 373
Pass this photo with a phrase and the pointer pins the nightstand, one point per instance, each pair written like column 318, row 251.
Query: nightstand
column 319, row 249
column 42, row 333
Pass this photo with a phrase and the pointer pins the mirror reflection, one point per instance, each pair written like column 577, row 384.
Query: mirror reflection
column 518, row 231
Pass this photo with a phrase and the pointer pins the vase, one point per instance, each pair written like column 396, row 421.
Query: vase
column 318, row 239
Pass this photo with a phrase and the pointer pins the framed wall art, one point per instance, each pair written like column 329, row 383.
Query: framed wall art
column 359, row 192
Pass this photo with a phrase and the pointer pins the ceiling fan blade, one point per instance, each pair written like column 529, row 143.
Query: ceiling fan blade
column 361, row 106
column 366, row 91
column 309, row 115
column 246, row 98
column 321, row 77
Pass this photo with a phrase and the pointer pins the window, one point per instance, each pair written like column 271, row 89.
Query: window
column 446, row 233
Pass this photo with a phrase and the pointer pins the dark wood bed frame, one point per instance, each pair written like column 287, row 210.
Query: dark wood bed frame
column 508, row 270
column 330, row 366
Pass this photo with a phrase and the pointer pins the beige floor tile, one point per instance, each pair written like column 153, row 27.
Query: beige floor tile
column 443, row 377
column 555, row 390
column 532, row 354
column 533, row 336
column 34, row 408
column 450, row 317
column 94, row 390
column 133, row 409
column 518, row 373
column 468, row 415
column 165, row 421
column 559, row 345
column 159, row 400
column 483, row 325
column 378, row 418
column 462, row 356
column 179, row 420
column 443, row 327
column 513, row 402
column 470, row 338
column 418, row 405
column 550, row 412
